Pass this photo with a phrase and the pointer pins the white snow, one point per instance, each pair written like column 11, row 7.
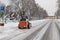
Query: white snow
column 42, row 32
column 11, row 27
column 15, row 24
column 58, row 20
column 37, row 21
column 28, row 32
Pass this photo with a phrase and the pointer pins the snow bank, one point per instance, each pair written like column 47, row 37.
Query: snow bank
column 35, row 22
column 15, row 24
column 11, row 24
column 58, row 20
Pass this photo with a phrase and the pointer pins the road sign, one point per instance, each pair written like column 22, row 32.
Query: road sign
column 2, row 7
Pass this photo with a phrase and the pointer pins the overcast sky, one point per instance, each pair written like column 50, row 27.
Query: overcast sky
column 49, row 5
column 6, row 2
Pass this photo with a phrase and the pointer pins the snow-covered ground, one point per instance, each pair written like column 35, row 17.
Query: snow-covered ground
column 41, row 29
column 12, row 27
column 58, row 20
column 15, row 24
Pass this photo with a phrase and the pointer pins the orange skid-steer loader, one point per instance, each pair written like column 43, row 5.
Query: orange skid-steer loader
column 24, row 24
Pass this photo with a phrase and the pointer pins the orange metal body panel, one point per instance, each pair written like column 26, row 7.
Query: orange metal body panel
column 22, row 24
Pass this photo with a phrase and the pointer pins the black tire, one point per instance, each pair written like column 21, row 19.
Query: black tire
column 28, row 26
column 19, row 27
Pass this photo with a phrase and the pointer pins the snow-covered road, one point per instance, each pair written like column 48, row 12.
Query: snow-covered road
column 52, row 32
column 46, row 29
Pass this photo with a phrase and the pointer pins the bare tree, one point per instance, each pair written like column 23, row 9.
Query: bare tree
column 29, row 6
column 58, row 11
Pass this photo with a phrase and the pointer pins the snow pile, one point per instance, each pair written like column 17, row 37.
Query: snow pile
column 35, row 22
column 15, row 24
column 11, row 24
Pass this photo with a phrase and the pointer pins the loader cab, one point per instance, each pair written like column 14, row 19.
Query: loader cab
column 24, row 23
column 23, row 16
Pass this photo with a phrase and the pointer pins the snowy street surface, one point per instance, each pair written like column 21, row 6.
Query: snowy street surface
column 46, row 29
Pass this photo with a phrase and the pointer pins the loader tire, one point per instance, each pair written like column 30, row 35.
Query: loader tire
column 19, row 27
column 28, row 26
